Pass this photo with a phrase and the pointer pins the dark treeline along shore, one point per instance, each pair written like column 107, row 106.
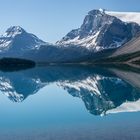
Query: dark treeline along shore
column 14, row 64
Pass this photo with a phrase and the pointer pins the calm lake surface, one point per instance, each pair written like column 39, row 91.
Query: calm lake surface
column 70, row 103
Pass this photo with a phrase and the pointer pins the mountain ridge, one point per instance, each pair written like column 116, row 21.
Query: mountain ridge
column 99, row 32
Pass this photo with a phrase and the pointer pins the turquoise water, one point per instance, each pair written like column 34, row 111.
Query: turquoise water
column 70, row 103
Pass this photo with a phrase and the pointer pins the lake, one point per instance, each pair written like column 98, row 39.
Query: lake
column 70, row 103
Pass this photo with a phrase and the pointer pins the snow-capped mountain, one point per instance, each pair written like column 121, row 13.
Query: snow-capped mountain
column 17, row 40
column 101, row 30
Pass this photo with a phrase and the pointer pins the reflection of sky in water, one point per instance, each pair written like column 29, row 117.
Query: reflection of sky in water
column 53, row 108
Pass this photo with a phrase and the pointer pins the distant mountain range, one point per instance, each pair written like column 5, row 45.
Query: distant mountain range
column 101, row 32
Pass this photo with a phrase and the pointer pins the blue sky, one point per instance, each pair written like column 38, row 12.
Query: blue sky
column 50, row 20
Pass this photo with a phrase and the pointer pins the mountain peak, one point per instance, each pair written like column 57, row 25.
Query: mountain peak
column 15, row 28
column 102, row 10
column 13, row 31
column 97, row 12
column 17, row 40
column 101, row 30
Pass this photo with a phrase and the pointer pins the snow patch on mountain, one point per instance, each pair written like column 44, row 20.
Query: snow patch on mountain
column 87, row 41
column 90, row 84
column 126, row 16
column 126, row 107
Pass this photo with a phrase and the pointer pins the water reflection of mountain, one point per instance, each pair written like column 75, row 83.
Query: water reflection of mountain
column 100, row 89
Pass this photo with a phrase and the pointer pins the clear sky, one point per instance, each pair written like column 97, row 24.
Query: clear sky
column 50, row 20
